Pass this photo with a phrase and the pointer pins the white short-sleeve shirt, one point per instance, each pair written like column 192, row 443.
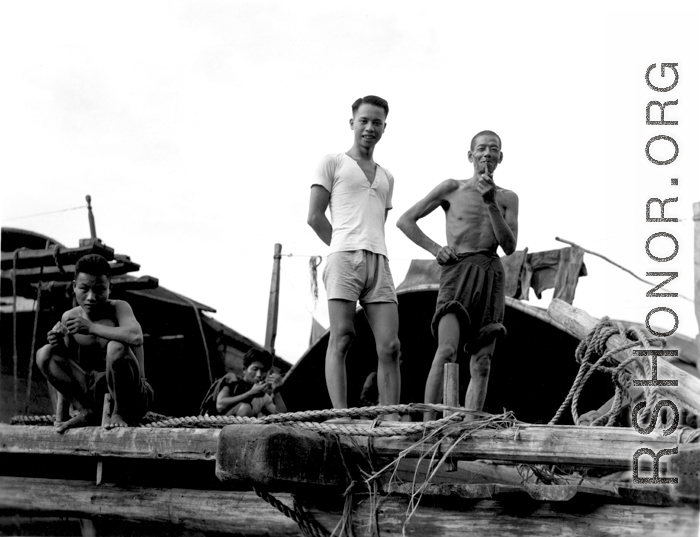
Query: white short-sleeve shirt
column 357, row 207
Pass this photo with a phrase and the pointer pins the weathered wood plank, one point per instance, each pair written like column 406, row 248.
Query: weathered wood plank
column 279, row 458
column 132, row 442
column 204, row 510
column 491, row 518
column 245, row 513
column 611, row 447
column 579, row 323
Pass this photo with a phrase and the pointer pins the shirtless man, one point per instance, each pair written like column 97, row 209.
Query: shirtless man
column 359, row 193
column 97, row 347
column 479, row 217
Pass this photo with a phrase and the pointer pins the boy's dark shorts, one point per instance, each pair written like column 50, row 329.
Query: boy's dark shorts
column 97, row 388
column 473, row 288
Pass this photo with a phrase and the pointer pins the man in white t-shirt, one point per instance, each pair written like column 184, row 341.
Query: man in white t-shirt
column 358, row 192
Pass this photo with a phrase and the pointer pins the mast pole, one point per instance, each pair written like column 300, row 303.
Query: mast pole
column 274, row 302
column 91, row 217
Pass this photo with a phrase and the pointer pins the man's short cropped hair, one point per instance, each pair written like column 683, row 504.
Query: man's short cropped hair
column 486, row 133
column 257, row 355
column 93, row 264
column 370, row 99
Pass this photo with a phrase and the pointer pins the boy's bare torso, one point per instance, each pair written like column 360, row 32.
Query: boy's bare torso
column 468, row 225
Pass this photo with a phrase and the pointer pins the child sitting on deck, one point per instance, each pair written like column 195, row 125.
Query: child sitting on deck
column 95, row 349
column 254, row 394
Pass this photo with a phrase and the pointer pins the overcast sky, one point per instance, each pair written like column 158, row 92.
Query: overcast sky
column 196, row 127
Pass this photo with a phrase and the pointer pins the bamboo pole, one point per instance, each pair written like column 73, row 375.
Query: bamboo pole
column 274, row 302
column 579, row 323
column 696, row 219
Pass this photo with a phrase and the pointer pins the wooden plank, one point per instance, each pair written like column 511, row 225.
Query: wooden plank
column 521, row 517
column 245, row 513
column 203, row 510
column 131, row 442
column 45, row 258
column 579, row 323
column 37, row 274
column 609, row 447
column 120, row 283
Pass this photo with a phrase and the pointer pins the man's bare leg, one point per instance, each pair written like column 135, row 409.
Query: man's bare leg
column 70, row 380
column 448, row 343
column 479, row 367
column 123, row 379
column 341, row 315
column 383, row 318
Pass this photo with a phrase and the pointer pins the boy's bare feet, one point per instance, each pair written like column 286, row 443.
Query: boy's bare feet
column 83, row 418
column 116, row 420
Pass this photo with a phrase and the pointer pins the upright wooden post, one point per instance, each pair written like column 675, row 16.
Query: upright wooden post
column 273, row 304
column 696, row 219
column 450, row 385
column 91, row 218
column 450, row 397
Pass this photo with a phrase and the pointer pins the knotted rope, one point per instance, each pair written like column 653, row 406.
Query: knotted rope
column 593, row 355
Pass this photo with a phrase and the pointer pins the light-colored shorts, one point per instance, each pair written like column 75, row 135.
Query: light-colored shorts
column 359, row 275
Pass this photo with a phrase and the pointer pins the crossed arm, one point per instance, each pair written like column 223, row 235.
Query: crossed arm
column 127, row 331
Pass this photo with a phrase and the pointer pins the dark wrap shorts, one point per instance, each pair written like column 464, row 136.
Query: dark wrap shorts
column 473, row 288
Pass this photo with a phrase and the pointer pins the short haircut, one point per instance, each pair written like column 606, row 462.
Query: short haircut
column 370, row 99
column 93, row 264
column 257, row 355
column 486, row 133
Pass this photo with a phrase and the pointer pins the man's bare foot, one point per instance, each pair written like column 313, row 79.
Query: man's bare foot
column 116, row 420
column 82, row 419
column 475, row 415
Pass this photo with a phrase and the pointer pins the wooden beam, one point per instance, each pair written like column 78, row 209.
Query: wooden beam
column 130, row 442
column 121, row 283
column 38, row 274
column 579, row 323
column 610, row 447
column 279, row 458
column 520, row 516
column 245, row 513
column 45, row 257
column 240, row 513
